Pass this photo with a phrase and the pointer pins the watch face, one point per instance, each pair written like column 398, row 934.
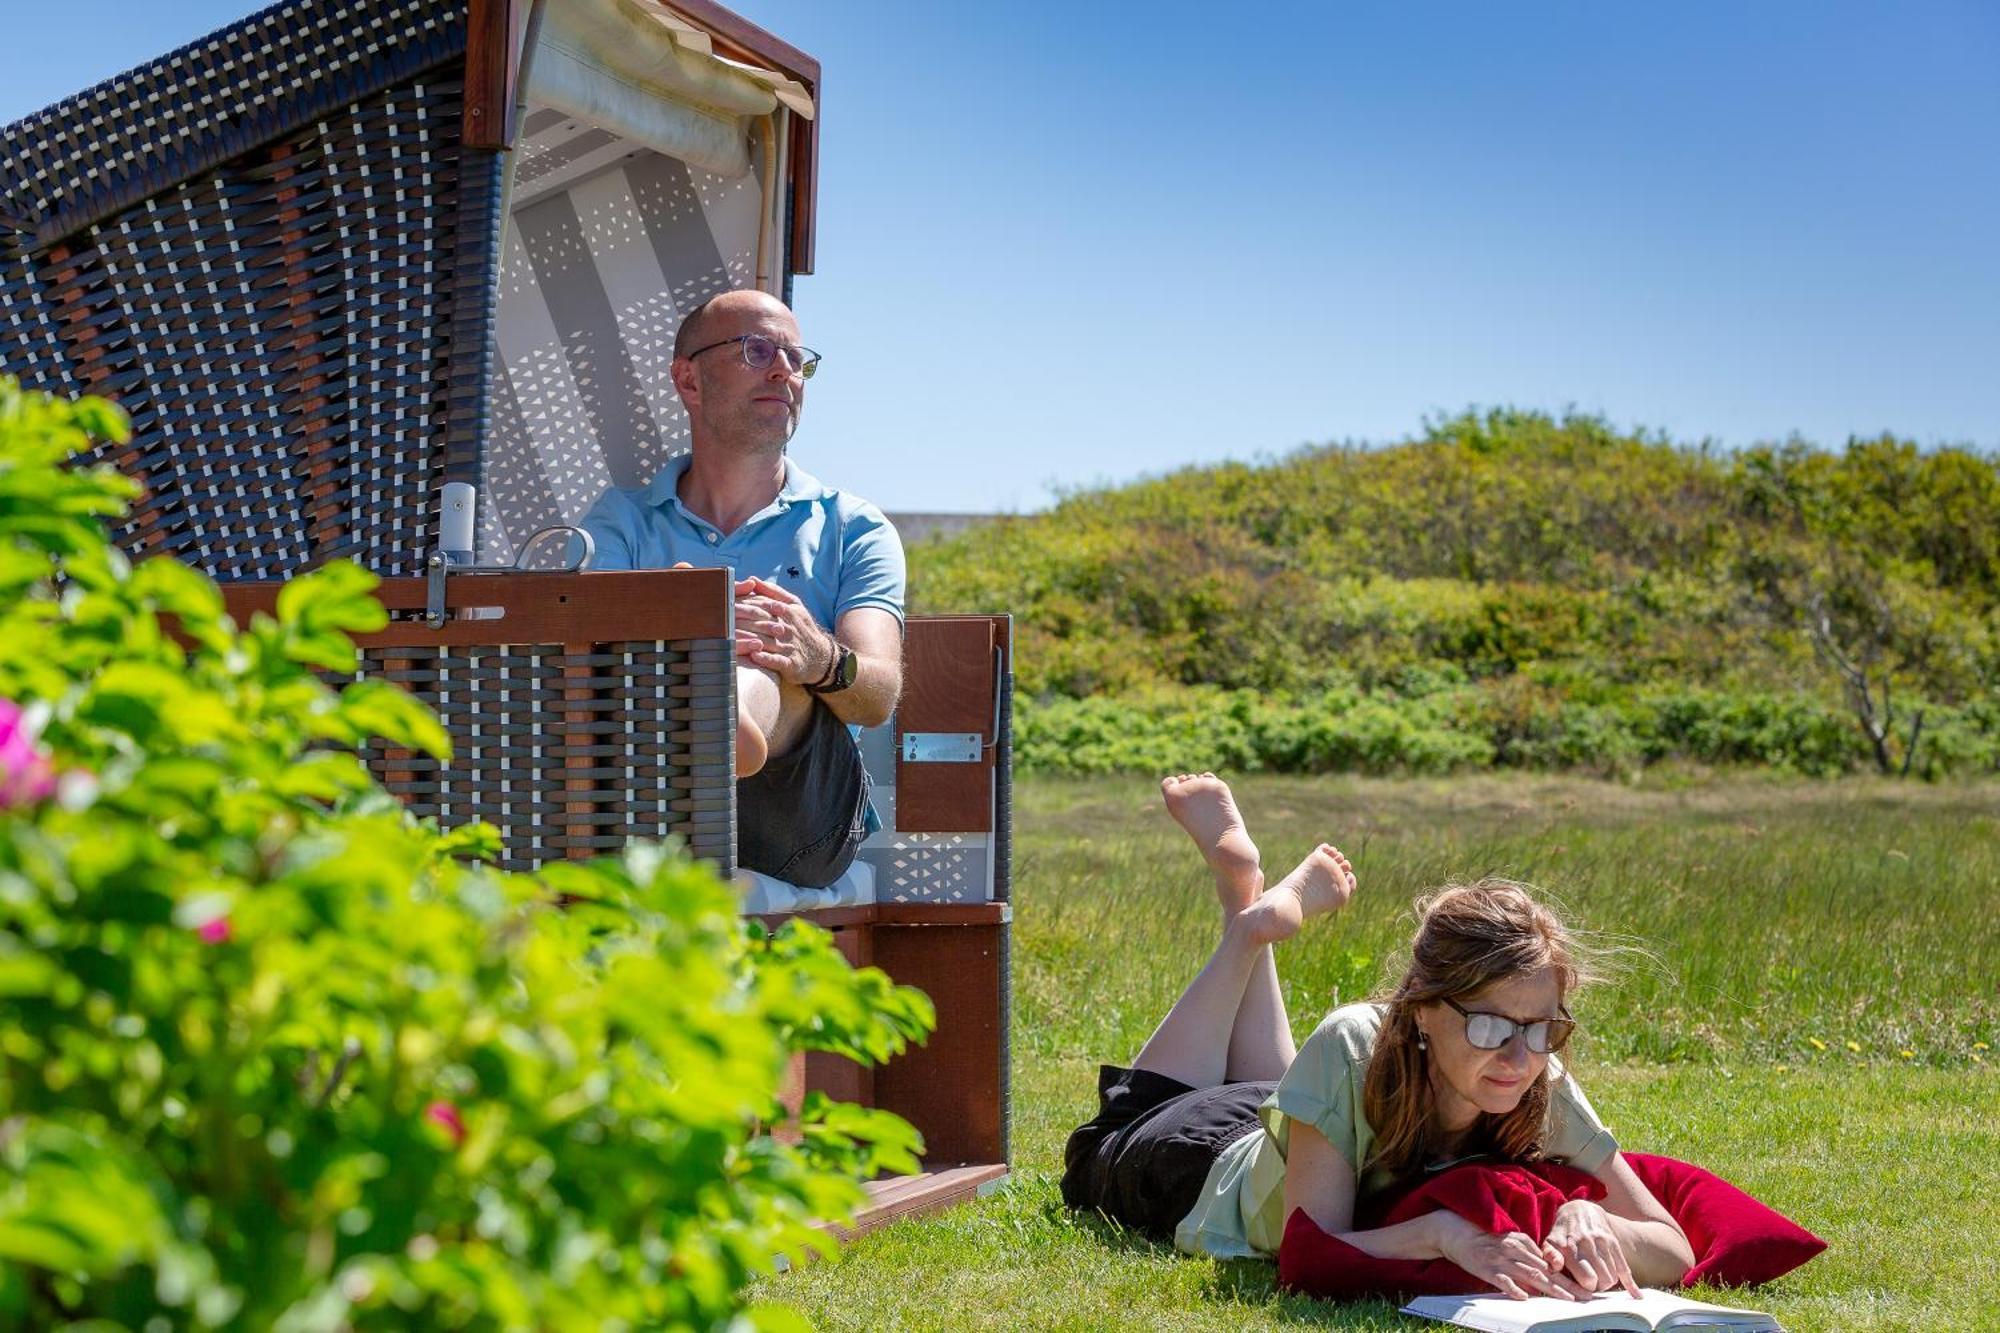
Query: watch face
column 843, row 674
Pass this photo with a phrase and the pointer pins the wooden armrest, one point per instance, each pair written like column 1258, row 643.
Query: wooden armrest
column 612, row 606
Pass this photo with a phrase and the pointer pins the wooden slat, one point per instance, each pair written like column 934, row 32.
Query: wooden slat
column 895, row 914
column 898, row 1197
column 492, row 64
column 949, row 673
column 616, row 606
column 953, row 1087
column 836, row 1076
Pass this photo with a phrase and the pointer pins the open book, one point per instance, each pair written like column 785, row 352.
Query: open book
column 1606, row 1310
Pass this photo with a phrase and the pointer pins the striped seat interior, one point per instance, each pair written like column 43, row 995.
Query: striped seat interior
column 608, row 246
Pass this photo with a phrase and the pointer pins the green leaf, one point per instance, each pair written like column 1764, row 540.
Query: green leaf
column 338, row 596
column 324, row 776
column 378, row 708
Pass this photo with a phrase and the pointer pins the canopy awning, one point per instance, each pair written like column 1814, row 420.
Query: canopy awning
column 640, row 71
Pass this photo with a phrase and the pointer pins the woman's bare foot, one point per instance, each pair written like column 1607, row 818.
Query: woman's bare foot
column 1323, row 883
column 1201, row 804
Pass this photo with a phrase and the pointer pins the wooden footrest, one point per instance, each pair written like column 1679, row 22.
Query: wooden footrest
column 896, row 1197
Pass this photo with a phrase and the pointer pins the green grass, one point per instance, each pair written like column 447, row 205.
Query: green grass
column 1804, row 976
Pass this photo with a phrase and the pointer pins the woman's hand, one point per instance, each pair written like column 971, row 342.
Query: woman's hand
column 1511, row 1263
column 1582, row 1244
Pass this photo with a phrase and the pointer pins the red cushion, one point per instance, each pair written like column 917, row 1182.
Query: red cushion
column 1494, row 1197
column 1736, row 1240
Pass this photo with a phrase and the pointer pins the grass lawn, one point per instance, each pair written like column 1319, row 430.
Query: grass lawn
column 1806, row 985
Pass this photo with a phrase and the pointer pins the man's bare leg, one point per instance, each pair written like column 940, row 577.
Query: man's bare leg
column 771, row 716
column 1193, row 1042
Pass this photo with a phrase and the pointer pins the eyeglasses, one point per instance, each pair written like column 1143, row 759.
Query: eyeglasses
column 1489, row 1032
column 759, row 351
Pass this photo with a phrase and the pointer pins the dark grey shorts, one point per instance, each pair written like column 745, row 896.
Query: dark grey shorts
column 804, row 814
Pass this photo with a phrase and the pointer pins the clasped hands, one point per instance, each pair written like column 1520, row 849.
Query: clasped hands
column 1581, row 1256
column 774, row 630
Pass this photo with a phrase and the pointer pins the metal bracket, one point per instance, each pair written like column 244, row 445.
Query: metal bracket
column 445, row 563
column 942, row 747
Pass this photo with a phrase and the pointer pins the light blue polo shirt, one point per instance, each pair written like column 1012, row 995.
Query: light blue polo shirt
column 831, row 550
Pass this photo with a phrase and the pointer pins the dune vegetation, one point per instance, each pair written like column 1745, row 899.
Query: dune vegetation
column 1508, row 589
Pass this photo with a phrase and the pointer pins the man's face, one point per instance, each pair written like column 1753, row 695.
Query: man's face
column 730, row 403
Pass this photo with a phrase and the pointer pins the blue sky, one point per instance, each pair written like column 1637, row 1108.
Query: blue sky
column 1063, row 244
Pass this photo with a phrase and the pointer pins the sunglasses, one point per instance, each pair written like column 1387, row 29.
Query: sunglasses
column 759, row 352
column 1489, row 1032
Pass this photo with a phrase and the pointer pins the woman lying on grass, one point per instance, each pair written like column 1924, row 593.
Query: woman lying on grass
column 1221, row 1129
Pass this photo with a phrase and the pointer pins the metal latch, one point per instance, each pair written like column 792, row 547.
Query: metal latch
column 457, row 503
column 942, row 747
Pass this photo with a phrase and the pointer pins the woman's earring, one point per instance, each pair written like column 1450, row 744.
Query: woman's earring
column 1423, row 1042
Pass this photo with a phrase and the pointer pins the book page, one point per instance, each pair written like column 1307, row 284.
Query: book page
column 1537, row 1314
column 1546, row 1314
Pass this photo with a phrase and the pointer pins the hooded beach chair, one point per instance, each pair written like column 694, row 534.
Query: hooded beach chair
column 397, row 281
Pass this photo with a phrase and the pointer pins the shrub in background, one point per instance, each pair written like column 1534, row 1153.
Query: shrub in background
column 275, row 1055
column 1577, row 576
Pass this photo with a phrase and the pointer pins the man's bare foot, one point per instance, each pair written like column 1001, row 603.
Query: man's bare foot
column 1201, row 804
column 1322, row 883
column 751, row 747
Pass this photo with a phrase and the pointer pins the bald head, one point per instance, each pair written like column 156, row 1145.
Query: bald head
column 695, row 330
column 734, row 406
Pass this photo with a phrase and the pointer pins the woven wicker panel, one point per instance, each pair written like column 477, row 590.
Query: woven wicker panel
column 29, row 348
column 175, row 118
column 393, row 214
column 569, row 754
column 281, row 332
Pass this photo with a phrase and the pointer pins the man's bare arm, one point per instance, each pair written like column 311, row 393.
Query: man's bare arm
column 776, row 632
column 876, row 638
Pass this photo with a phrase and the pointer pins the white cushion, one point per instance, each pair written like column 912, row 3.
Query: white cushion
column 762, row 893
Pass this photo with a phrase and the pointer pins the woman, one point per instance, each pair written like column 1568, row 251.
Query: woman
column 1221, row 1128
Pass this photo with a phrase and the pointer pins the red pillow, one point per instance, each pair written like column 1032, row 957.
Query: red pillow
column 1736, row 1240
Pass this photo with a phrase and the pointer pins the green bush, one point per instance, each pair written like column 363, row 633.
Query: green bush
column 1513, row 722
column 275, row 1055
column 1615, row 598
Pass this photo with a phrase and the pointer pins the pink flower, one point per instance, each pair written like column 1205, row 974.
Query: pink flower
column 445, row 1116
column 25, row 774
column 215, row 930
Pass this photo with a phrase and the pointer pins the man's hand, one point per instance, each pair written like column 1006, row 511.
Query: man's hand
column 775, row 631
column 1582, row 1244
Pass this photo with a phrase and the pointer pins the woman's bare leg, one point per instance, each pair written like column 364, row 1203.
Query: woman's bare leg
column 1260, row 1033
column 1230, row 1022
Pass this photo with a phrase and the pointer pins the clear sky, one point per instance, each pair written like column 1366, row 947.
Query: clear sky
column 1069, row 243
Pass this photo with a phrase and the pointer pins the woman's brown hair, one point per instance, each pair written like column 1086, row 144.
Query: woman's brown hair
column 1469, row 936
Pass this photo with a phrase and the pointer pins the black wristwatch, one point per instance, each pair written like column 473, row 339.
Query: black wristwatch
column 840, row 674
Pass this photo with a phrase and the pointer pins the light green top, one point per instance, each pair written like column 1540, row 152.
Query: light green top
column 1241, row 1211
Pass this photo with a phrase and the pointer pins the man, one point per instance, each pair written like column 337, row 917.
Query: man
column 819, row 591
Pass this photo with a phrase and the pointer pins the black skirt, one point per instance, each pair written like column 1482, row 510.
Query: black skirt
column 1142, row 1160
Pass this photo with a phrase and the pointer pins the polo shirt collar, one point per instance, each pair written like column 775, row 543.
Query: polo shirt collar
column 664, row 490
